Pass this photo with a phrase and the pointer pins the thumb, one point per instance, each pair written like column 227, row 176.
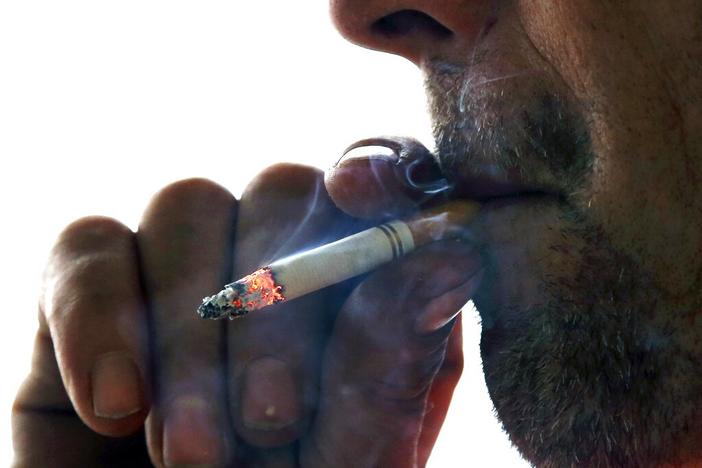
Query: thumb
column 388, row 345
column 385, row 177
column 441, row 393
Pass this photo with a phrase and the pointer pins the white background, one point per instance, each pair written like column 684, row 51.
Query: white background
column 102, row 103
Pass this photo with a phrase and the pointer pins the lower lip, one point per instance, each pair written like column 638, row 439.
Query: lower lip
column 526, row 197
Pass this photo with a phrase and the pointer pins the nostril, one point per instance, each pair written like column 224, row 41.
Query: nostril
column 407, row 22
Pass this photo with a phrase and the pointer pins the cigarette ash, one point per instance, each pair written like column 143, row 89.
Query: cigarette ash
column 253, row 292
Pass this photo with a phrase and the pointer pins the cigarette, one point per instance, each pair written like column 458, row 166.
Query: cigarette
column 315, row 269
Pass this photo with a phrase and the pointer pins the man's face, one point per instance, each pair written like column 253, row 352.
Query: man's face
column 580, row 124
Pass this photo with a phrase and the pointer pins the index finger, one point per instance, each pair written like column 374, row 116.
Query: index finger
column 184, row 241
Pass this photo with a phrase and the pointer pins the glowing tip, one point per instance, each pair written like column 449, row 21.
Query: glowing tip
column 253, row 292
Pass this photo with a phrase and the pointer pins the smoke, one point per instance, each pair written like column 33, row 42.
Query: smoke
column 497, row 125
column 428, row 188
column 592, row 365
column 300, row 233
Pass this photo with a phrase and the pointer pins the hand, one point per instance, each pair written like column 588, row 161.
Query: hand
column 330, row 379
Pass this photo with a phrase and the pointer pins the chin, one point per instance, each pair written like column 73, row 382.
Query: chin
column 581, row 357
column 588, row 358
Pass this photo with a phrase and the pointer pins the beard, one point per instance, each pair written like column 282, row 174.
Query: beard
column 595, row 365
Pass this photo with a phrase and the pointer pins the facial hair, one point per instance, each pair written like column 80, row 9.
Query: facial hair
column 599, row 371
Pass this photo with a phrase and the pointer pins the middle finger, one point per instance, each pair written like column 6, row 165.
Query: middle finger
column 184, row 241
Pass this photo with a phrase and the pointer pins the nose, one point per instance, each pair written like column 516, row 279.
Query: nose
column 415, row 29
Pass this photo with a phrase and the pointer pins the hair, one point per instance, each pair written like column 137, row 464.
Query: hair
column 604, row 371
column 600, row 375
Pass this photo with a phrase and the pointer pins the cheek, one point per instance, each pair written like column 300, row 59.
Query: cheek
column 640, row 190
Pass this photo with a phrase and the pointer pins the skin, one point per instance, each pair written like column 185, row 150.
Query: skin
column 307, row 383
column 590, row 284
column 591, row 304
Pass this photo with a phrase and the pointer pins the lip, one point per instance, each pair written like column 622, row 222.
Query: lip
column 505, row 197
column 497, row 191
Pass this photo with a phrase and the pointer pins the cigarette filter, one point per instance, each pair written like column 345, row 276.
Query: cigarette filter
column 315, row 269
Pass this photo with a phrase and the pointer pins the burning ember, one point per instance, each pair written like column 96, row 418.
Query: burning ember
column 253, row 292
column 259, row 289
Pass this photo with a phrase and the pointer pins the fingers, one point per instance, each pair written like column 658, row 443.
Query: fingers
column 185, row 242
column 389, row 343
column 274, row 354
column 385, row 177
column 92, row 310
column 47, row 432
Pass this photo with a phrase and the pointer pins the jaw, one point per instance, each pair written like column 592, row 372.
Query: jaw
column 586, row 358
column 590, row 302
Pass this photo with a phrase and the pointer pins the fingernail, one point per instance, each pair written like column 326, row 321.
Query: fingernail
column 191, row 434
column 414, row 165
column 116, row 386
column 368, row 149
column 441, row 310
column 270, row 398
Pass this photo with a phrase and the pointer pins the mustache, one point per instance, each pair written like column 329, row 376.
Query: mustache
column 496, row 124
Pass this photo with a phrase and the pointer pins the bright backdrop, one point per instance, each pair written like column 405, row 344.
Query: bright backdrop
column 102, row 103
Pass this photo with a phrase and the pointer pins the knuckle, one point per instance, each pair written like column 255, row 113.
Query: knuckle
column 92, row 259
column 399, row 389
column 93, row 233
column 193, row 192
column 397, row 380
column 297, row 212
column 411, row 375
column 284, row 178
column 395, row 400
column 89, row 279
column 91, row 267
column 88, row 243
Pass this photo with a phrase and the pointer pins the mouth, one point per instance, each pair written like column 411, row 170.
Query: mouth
column 495, row 190
column 517, row 217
